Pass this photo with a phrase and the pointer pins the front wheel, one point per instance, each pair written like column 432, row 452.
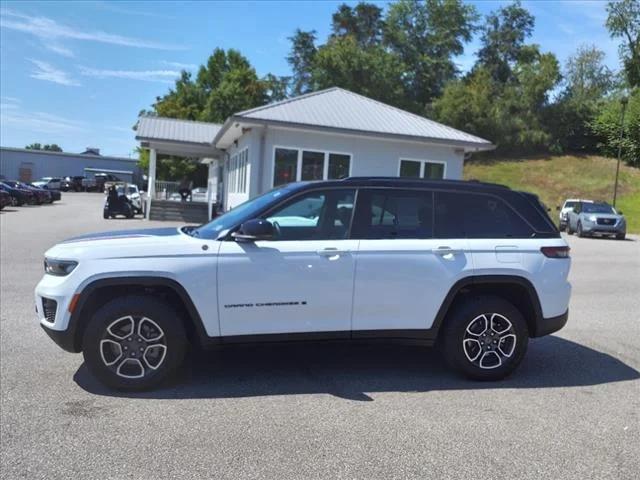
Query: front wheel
column 485, row 338
column 580, row 232
column 134, row 343
column 621, row 236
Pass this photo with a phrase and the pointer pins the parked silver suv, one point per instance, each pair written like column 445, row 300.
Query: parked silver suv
column 596, row 218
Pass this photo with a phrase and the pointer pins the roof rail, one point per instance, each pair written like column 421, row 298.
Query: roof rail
column 423, row 180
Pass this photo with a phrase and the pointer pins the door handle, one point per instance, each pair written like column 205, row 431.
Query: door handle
column 331, row 252
column 444, row 250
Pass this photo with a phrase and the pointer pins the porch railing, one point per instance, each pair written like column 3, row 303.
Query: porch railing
column 165, row 190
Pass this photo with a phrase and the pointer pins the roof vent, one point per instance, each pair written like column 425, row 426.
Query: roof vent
column 91, row 151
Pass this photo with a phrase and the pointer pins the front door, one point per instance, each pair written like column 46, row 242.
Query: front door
column 302, row 280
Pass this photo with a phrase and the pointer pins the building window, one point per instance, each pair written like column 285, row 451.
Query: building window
column 238, row 169
column 292, row 165
column 422, row 169
column 286, row 166
column 312, row 165
column 339, row 166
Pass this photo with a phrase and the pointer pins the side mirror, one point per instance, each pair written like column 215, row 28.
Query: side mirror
column 255, row 229
column 575, row 210
column 620, row 212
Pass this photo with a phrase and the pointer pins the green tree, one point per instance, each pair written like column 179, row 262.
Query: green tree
column 623, row 21
column 606, row 126
column 503, row 37
column 363, row 22
column 226, row 84
column 300, row 59
column 48, row 147
column 587, row 80
column 371, row 71
column 426, row 36
column 277, row 88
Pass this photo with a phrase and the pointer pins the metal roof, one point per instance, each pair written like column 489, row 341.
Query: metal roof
column 341, row 109
column 173, row 130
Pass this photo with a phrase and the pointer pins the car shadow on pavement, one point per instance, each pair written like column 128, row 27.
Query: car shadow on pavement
column 350, row 371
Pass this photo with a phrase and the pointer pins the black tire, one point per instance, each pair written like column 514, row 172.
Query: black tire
column 621, row 236
column 105, row 214
column 562, row 227
column 579, row 231
column 135, row 306
column 455, row 333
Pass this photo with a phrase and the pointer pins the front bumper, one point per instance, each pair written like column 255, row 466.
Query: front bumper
column 603, row 229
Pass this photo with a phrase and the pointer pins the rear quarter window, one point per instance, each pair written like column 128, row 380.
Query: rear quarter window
column 470, row 215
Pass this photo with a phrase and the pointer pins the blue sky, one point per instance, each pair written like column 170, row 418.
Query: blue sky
column 78, row 73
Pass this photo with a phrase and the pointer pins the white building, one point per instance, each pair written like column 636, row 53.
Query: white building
column 322, row 135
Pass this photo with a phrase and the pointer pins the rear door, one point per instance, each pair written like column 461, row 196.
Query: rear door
column 499, row 239
column 403, row 273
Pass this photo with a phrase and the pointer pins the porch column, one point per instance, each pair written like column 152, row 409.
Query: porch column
column 151, row 187
column 212, row 185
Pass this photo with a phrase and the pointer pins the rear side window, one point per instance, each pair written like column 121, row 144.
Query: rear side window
column 389, row 214
column 469, row 215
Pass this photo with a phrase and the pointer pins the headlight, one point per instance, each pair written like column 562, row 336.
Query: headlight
column 592, row 218
column 59, row 268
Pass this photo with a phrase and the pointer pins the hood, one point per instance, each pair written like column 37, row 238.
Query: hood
column 614, row 216
column 120, row 244
column 123, row 234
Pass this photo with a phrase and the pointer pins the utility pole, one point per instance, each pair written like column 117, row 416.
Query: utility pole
column 624, row 100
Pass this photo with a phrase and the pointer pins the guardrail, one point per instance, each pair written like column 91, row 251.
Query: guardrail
column 165, row 189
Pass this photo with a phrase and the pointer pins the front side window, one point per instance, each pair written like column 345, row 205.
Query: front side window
column 467, row 215
column 286, row 166
column 321, row 215
column 390, row 214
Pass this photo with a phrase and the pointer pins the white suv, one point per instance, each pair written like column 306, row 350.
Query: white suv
column 476, row 268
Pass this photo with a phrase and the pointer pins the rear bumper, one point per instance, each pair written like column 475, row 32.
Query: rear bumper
column 546, row 326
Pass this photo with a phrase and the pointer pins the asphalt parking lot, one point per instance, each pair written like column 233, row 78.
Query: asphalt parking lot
column 571, row 411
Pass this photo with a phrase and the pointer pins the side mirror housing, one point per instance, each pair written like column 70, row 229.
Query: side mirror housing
column 620, row 212
column 255, row 229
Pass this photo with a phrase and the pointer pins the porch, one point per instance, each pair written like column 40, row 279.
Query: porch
column 187, row 139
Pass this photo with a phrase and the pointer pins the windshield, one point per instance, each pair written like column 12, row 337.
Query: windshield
column 242, row 212
column 570, row 204
column 597, row 208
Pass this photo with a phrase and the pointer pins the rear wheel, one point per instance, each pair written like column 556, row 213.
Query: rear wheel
column 485, row 338
column 105, row 214
column 134, row 343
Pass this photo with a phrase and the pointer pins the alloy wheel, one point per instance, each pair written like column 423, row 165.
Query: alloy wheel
column 133, row 347
column 489, row 340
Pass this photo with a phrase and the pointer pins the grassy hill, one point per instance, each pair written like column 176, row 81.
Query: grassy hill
column 554, row 178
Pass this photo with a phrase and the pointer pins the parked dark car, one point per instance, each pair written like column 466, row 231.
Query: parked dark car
column 74, row 183
column 42, row 195
column 5, row 199
column 19, row 196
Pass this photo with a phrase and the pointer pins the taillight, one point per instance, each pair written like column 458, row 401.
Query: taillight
column 555, row 252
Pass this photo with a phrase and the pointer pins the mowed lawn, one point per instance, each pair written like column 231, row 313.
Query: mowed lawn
column 555, row 178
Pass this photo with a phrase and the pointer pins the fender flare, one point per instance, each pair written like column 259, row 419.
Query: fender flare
column 75, row 320
column 489, row 280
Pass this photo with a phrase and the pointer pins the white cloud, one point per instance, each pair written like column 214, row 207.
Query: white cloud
column 47, row 72
column 127, row 11
column 39, row 122
column 162, row 76
column 51, row 33
column 182, row 66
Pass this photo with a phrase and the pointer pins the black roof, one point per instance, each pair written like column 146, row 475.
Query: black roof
column 471, row 185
